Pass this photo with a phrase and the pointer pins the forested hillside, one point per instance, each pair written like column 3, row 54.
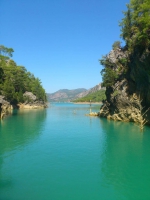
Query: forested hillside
column 16, row 80
column 97, row 96
column 126, row 73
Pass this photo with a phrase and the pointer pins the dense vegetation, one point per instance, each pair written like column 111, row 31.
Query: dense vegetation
column 135, row 31
column 16, row 80
column 97, row 96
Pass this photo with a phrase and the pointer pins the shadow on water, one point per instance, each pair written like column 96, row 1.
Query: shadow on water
column 16, row 132
column 126, row 163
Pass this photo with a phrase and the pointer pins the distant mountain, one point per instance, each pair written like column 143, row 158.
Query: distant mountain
column 95, row 94
column 91, row 90
column 65, row 95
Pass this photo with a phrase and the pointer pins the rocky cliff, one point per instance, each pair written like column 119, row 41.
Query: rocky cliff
column 126, row 72
column 128, row 98
column 30, row 102
column 5, row 107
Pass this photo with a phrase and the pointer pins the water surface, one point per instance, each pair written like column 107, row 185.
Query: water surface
column 61, row 154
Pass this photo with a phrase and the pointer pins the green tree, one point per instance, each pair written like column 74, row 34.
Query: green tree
column 116, row 44
column 135, row 31
column 15, row 80
column 136, row 25
column 126, row 26
column 109, row 76
column 5, row 52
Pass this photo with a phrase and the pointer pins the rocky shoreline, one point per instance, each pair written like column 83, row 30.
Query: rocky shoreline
column 5, row 107
column 88, row 103
column 31, row 102
column 128, row 99
column 32, row 106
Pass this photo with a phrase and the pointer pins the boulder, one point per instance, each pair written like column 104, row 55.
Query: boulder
column 5, row 107
column 30, row 96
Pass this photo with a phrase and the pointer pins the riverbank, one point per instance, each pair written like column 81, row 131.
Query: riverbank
column 32, row 106
column 88, row 103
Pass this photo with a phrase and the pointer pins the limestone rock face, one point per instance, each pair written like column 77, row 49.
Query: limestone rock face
column 31, row 102
column 116, row 54
column 121, row 107
column 129, row 98
column 5, row 107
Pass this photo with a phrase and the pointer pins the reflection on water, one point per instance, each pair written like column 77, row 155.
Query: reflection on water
column 20, row 128
column 59, row 153
column 16, row 132
column 126, row 163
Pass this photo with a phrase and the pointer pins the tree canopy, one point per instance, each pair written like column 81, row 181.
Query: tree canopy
column 135, row 26
column 16, row 80
column 135, row 31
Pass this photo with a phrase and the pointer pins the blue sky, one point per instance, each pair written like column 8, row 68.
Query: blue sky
column 61, row 41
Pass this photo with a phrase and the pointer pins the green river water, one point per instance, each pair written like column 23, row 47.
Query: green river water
column 61, row 154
